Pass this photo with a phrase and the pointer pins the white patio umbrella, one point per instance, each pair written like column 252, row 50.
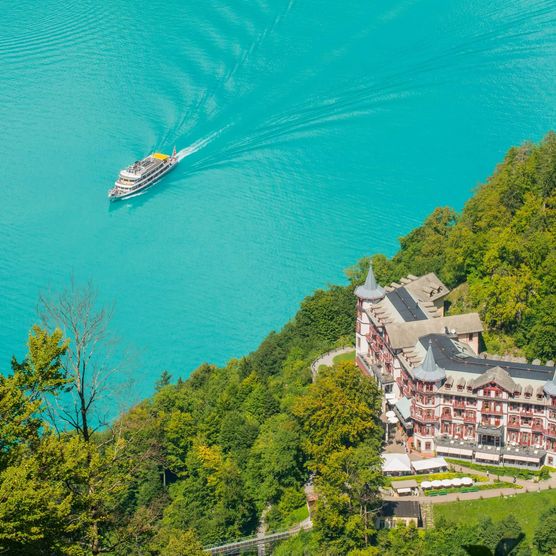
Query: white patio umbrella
column 456, row 482
column 446, row 483
column 426, row 484
column 436, row 483
column 466, row 481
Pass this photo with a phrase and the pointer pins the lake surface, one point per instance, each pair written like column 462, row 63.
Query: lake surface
column 317, row 133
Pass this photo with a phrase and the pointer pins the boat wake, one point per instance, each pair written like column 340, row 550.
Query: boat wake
column 199, row 144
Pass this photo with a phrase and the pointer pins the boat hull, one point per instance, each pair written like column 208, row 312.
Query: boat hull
column 120, row 195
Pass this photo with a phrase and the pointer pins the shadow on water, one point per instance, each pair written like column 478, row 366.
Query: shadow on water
column 173, row 180
column 142, row 198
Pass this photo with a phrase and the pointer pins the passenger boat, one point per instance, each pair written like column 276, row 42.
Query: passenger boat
column 142, row 174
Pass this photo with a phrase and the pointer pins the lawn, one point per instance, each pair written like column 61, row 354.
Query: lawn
column 293, row 518
column 525, row 507
column 349, row 356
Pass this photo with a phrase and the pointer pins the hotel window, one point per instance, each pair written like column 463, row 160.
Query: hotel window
column 470, row 337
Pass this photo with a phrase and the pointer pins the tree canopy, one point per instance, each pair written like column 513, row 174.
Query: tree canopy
column 207, row 459
column 499, row 253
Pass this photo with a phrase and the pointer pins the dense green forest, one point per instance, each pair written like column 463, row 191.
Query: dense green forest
column 202, row 460
column 499, row 254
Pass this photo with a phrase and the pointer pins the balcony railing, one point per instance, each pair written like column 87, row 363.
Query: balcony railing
column 447, row 416
column 492, row 410
column 513, row 424
column 469, row 419
column 550, row 432
column 538, row 427
column 423, row 418
column 459, row 404
column 429, row 403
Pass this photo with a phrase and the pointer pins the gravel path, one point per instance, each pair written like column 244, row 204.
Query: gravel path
column 327, row 359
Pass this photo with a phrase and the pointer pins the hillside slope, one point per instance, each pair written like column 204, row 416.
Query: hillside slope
column 500, row 251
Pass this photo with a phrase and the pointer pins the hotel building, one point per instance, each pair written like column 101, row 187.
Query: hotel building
column 451, row 400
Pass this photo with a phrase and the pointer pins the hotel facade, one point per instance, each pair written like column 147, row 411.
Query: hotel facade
column 450, row 400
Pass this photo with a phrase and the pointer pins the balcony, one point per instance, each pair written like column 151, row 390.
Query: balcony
column 459, row 404
column 424, row 388
column 423, row 417
column 491, row 410
column 513, row 425
column 550, row 432
column 425, row 402
column 446, row 415
column 469, row 419
column 538, row 427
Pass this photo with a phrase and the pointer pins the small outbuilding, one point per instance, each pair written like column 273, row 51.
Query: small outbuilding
column 396, row 512
column 405, row 488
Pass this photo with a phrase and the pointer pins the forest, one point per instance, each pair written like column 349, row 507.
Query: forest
column 205, row 460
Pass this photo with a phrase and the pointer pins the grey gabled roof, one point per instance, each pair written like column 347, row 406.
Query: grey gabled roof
column 428, row 370
column 498, row 375
column 401, row 508
column 371, row 289
column 405, row 334
column 407, row 307
column 451, row 358
column 427, row 287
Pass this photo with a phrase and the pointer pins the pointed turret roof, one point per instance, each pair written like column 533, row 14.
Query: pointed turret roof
column 550, row 386
column 428, row 370
column 371, row 289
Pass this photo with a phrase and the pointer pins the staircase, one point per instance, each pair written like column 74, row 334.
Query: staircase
column 427, row 515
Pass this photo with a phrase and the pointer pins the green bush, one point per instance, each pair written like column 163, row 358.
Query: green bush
column 501, row 470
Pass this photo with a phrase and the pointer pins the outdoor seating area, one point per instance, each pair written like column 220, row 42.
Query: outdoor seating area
column 440, row 488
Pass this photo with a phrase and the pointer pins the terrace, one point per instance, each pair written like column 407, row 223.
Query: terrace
column 516, row 456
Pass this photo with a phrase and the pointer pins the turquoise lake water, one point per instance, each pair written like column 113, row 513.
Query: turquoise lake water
column 318, row 132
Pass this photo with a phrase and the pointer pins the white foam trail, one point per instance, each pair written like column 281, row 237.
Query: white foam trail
column 199, row 144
